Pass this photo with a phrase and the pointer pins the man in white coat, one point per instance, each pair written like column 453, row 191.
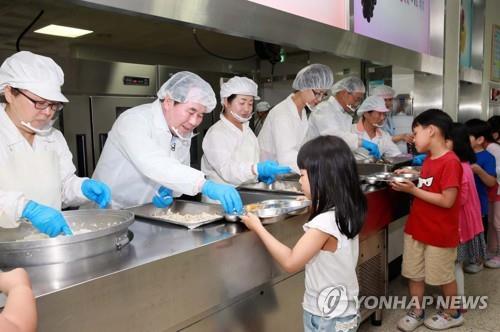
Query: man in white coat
column 37, row 175
column 336, row 115
column 146, row 157
column 286, row 125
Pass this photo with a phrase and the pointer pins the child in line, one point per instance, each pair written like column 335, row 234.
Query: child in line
column 470, row 227
column 484, row 174
column 493, row 235
column 431, row 232
column 329, row 248
column 19, row 313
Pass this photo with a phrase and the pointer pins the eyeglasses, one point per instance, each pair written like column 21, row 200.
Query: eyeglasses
column 358, row 98
column 43, row 104
column 319, row 95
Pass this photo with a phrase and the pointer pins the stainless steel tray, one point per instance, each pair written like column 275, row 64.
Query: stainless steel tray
column 389, row 177
column 149, row 211
column 279, row 186
column 105, row 230
column 274, row 210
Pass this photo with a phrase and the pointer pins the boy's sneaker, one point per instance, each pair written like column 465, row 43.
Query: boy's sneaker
column 493, row 263
column 410, row 321
column 474, row 268
column 443, row 321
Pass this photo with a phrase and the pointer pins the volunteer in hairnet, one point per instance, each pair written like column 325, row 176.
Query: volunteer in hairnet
column 372, row 113
column 336, row 115
column 286, row 125
column 147, row 154
column 388, row 94
column 261, row 111
column 231, row 150
column 37, row 174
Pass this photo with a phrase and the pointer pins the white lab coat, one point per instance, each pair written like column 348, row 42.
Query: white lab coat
column 383, row 140
column 141, row 154
column 12, row 203
column 230, row 154
column 283, row 133
column 329, row 118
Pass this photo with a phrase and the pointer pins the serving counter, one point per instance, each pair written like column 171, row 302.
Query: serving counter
column 218, row 277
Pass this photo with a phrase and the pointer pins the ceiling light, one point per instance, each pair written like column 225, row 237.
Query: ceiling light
column 63, row 31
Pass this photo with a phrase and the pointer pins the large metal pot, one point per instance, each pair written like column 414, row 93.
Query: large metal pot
column 105, row 230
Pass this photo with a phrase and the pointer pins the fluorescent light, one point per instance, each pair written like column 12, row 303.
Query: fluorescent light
column 63, row 31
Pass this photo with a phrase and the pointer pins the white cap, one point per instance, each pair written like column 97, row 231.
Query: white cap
column 350, row 84
column 185, row 86
column 315, row 76
column 383, row 91
column 262, row 106
column 372, row 103
column 35, row 73
column 238, row 86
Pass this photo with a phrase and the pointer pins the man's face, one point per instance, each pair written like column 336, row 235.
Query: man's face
column 184, row 117
column 376, row 119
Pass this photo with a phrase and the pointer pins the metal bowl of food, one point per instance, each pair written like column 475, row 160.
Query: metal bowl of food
column 370, row 179
column 383, row 175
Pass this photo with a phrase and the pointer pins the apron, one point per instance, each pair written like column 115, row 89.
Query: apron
column 34, row 173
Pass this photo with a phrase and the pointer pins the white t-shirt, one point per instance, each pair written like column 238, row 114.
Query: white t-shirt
column 330, row 269
column 494, row 149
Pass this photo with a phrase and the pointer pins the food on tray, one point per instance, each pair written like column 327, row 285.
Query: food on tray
column 188, row 218
column 41, row 236
column 252, row 208
column 286, row 186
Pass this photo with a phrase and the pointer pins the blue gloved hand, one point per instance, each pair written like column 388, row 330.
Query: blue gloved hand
column 97, row 192
column 163, row 198
column 371, row 147
column 46, row 219
column 227, row 195
column 267, row 170
column 418, row 160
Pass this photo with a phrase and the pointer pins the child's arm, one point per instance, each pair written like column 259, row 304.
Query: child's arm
column 446, row 199
column 486, row 178
column 19, row 313
column 291, row 260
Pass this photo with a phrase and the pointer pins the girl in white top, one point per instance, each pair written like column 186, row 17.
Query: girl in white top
column 329, row 248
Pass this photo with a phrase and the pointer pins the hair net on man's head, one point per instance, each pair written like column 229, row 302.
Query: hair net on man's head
column 185, row 86
column 383, row 91
column 35, row 73
column 315, row 76
column 262, row 106
column 238, row 86
column 350, row 84
column 372, row 103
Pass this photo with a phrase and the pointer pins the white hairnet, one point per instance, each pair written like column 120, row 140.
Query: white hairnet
column 350, row 84
column 372, row 103
column 238, row 86
column 35, row 73
column 383, row 91
column 185, row 86
column 262, row 106
column 315, row 76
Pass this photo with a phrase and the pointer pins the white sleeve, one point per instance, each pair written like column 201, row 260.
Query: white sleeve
column 11, row 208
column 221, row 159
column 330, row 124
column 284, row 137
column 326, row 223
column 388, row 147
column 134, row 138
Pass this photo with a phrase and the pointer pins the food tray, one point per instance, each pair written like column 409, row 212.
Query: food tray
column 390, row 177
column 274, row 210
column 148, row 211
column 279, row 186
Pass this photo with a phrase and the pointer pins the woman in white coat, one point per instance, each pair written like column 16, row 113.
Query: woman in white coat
column 231, row 150
column 286, row 125
column 372, row 114
column 146, row 157
column 37, row 175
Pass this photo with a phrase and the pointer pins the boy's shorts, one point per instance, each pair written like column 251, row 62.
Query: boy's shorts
column 423, row 262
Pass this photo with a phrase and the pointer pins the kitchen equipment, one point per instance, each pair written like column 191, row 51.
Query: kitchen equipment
column 179, row 208
column 95, row 232
column 388, row 164
column 278, row 186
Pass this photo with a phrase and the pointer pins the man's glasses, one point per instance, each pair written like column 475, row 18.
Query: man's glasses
column 43, row 104
column 319, row 95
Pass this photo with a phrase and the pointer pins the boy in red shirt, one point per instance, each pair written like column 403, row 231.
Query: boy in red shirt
column 431, row 233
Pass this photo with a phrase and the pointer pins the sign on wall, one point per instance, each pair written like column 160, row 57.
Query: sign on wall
column 495, row 54
column 465, row 32
column 404, row 23
column 331, row 12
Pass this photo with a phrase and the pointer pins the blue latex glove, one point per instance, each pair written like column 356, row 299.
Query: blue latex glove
column 418, row 160
column 97, row 192
column 163, row 198
column 46, row 219
column 371, row 147
column 227, row 195
column 268, row 170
